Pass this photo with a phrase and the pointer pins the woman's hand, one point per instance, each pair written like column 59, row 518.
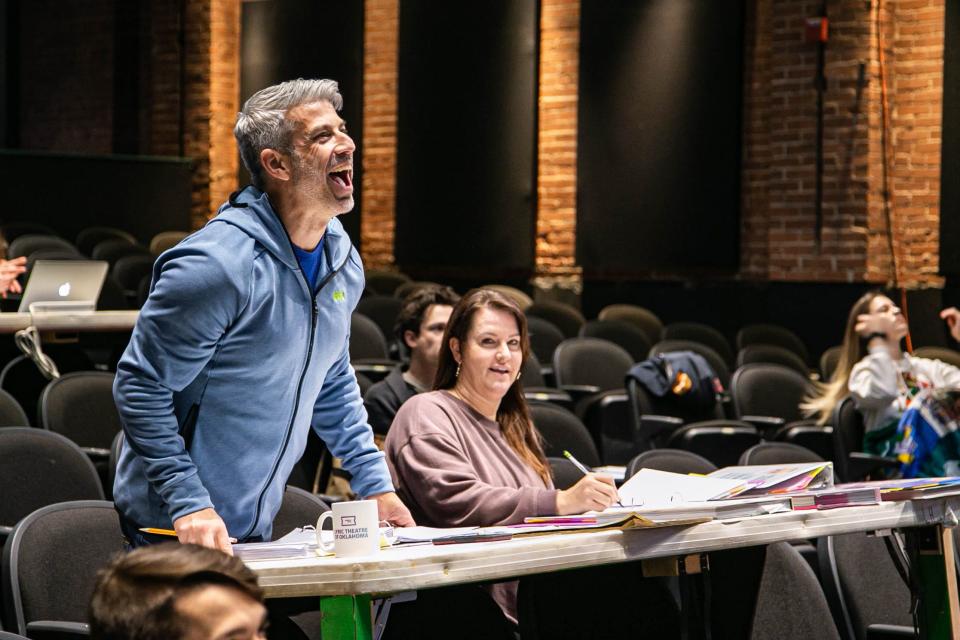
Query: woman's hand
column 9, row 270
column 592, row 493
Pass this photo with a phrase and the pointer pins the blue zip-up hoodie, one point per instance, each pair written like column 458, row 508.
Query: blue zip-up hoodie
column 223, row 378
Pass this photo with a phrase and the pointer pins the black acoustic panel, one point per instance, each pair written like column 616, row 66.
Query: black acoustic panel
column 659, row 134
column 143, row 195
column 950, row 151
column 288, row 39
column 466, row 135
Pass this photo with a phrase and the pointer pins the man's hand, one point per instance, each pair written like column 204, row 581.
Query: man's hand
column 204, row 528
column 392, row 510
column 951, row 316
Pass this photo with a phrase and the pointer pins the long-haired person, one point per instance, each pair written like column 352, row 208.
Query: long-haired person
column 881, row 377
column 467, row 453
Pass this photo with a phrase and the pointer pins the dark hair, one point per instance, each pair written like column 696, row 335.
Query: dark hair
column 135, row 595
column 416, row 304
column 512, row 414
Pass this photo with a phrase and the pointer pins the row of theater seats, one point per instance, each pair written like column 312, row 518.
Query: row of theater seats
column 131, row 262
column 52, row 553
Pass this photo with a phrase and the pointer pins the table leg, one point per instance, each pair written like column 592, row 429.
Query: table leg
column 345, row 617
column 933, row 563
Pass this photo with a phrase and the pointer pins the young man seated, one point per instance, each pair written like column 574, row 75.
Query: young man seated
column 420, row 327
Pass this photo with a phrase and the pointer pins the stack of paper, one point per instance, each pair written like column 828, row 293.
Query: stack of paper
column 766, row 479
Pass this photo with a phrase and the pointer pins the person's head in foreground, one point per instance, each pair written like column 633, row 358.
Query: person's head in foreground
column 179, row 591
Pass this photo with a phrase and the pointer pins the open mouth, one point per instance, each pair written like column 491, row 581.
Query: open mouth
column 342, row 181
column 500, row 370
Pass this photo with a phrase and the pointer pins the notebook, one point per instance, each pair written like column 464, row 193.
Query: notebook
column 63, row 285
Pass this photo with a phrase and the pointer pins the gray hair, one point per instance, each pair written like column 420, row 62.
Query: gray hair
column 261, row 124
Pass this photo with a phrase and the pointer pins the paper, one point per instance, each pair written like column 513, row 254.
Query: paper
column 777, row 478
column 652, row 488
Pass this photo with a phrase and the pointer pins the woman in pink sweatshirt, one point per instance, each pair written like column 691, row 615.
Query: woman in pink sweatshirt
column 467, row 453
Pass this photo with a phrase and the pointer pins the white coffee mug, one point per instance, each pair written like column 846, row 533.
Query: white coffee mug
column 356, row 529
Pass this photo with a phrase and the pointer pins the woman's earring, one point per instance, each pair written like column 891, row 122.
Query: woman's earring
column 519, row 373
column 457, row 374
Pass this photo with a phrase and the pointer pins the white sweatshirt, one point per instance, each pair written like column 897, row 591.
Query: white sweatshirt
column 881, row 387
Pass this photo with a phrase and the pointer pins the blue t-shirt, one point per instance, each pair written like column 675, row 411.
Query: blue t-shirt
column 310, row 262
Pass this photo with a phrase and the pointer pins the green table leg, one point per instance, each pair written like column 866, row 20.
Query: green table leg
column 933, row 562
column 346, row 618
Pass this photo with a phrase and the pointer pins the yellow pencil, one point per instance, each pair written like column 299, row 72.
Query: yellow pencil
column 170, row 532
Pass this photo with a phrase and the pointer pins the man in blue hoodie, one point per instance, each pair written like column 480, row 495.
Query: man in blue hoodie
column 242, row 345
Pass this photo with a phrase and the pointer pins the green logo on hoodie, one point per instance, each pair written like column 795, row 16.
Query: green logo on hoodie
column 339, row 295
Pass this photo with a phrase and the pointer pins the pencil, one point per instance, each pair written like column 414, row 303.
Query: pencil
column 169, row 532
column 583, row 469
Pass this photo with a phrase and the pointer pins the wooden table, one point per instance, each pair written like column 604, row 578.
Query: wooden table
column 345, row 585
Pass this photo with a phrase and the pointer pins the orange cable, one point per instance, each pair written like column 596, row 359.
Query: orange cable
column 887, row 199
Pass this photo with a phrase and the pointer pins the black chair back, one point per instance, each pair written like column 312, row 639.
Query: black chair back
column 565, row 474
column 790, row 602
column 41, row 468
column 771, row 353
column 702, row 333
column 714, row 359
column 385, row 283
column 562, row 430
column 633, row 340
column 298, row 508
column 544, row 338
column 128, row 271
column 591, row 362
column 382, row 309
column 112, row 249
column 828, row 362
column 640, row 317
column 773, row 334
column 863, row 585
column 563, row 316
column 720, row 441
column 778, row 453
column 26, row 244
column 51, row 561
column 366, row 339
column 165, row 240
column 92, row 236
column 848, row 431
column 672, row 460
column 11, row 413
column 764, row 389
column 21, row 378
column 80, row 406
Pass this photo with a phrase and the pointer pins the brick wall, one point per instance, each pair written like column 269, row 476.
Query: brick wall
column 778, row 239
column 557, row 147
column 379, row 144
column 224, row 100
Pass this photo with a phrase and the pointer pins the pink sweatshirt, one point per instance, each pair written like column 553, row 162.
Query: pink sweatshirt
column 453, row 468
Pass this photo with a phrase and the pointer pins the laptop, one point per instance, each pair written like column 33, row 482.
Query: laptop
column 63, row 285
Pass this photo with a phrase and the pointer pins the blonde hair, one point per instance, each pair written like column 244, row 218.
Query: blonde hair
column 853, row 350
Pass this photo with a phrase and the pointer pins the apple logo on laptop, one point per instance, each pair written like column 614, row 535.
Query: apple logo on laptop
column 64, row 290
